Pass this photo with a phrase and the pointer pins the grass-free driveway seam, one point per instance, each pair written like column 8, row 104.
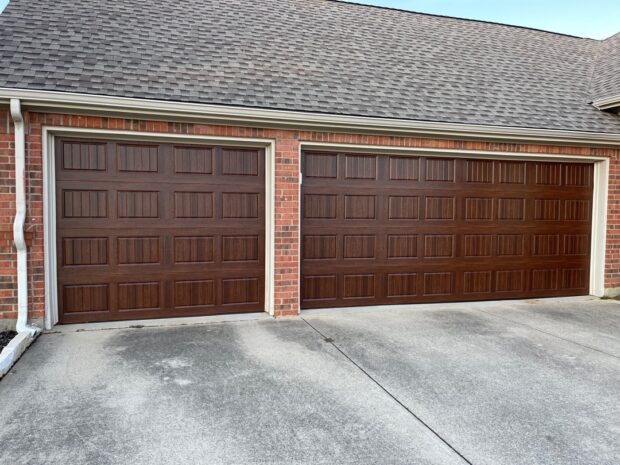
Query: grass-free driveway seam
column 392, row 396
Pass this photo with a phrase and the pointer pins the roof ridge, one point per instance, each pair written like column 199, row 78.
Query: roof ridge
column 595, row 65
column 437, row 15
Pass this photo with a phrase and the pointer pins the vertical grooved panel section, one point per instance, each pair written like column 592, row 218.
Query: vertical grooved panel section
column 359, row 246
column 549, row 174
column 85, row 298
column 440, row 169
column 320, row 287
column 359, row 286
column 404, row 168
column 138, row 250
column 198, row 293
column 239, row 248
column 511, row 172
column 360, row 207
column 138, row 204
column 193, row 249
column 475, row 282
column 137, row 158
column 545, row 244
column 193, row 205
column 193, row 160
column 439, row 208
column 240, row 291
column 321, row 247
column 135, row 296
column 544, row 280
column 509, row 281
column 241, row 162
column 576, row 278
column 361, row 166
column 479, row 171
column 88, row 156
column 320, row 165
column 404, row 208
column 402, row 246
column 578, row 175
column 577, row 210
column 438, row 245
column 478, row 245
column 239, row 205
column 510, row 209
column 478, row 208
column 84, row 204
column 402, row 284
column 438, row 283
column 547, row 209
column 84, row 251
column 320, row 206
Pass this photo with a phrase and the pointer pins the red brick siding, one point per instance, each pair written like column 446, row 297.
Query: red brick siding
column 286, row 192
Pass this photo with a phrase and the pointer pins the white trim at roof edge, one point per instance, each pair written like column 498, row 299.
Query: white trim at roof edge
column 65, row 101
column 607, row 103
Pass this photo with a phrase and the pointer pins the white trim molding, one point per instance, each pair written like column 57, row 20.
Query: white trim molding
column 49, row 199
column 65, row 102
column 599, row 195
column 607, row 103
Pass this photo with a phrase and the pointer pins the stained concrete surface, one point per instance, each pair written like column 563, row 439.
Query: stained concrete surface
column 410, row 386
column 499, row 391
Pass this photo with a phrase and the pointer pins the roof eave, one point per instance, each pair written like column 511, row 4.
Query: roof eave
column 608, row 103
column 64, row 102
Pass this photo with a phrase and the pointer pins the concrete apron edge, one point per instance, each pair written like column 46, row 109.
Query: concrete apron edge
column 160, row 322
column 14, row 350
column 231, row 318
column 442, row 306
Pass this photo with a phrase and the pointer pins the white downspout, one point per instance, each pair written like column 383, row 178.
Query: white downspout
column 20, row 219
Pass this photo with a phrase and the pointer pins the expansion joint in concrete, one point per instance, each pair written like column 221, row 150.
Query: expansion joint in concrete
column 329, row 340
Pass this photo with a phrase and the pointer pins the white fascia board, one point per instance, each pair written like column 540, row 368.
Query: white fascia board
column 607, row 103
column 64, row 102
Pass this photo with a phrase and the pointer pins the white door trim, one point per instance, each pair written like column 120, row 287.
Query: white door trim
column 599, row 195
column 49, row 198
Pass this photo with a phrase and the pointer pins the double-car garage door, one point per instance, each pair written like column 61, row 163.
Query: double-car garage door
column 385, row 229
column 148, row 230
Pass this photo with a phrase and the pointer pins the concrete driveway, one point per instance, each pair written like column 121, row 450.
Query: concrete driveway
column 492, row 383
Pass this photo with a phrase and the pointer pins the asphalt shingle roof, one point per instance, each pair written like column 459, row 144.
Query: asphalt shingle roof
column 606, row 74
column 308, row 55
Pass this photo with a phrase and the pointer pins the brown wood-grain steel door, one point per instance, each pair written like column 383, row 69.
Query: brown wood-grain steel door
column 149, row 230
column 386, row 229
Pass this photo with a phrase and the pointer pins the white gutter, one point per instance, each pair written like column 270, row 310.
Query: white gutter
column 20, row 219
column 607, row 102
column 65, row 102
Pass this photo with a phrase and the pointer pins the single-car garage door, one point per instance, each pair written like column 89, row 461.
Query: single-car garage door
column 383, row 229
column 147, row 230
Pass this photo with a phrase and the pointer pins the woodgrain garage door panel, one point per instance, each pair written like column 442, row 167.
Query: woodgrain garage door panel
column 157, row 230
column 380, row 229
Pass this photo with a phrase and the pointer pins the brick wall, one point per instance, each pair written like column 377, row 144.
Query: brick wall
column 286, row 193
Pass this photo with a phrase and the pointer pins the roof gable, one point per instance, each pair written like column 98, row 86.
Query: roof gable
column 606, row 75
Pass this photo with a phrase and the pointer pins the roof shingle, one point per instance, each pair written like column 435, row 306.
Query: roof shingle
column 306, row 55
